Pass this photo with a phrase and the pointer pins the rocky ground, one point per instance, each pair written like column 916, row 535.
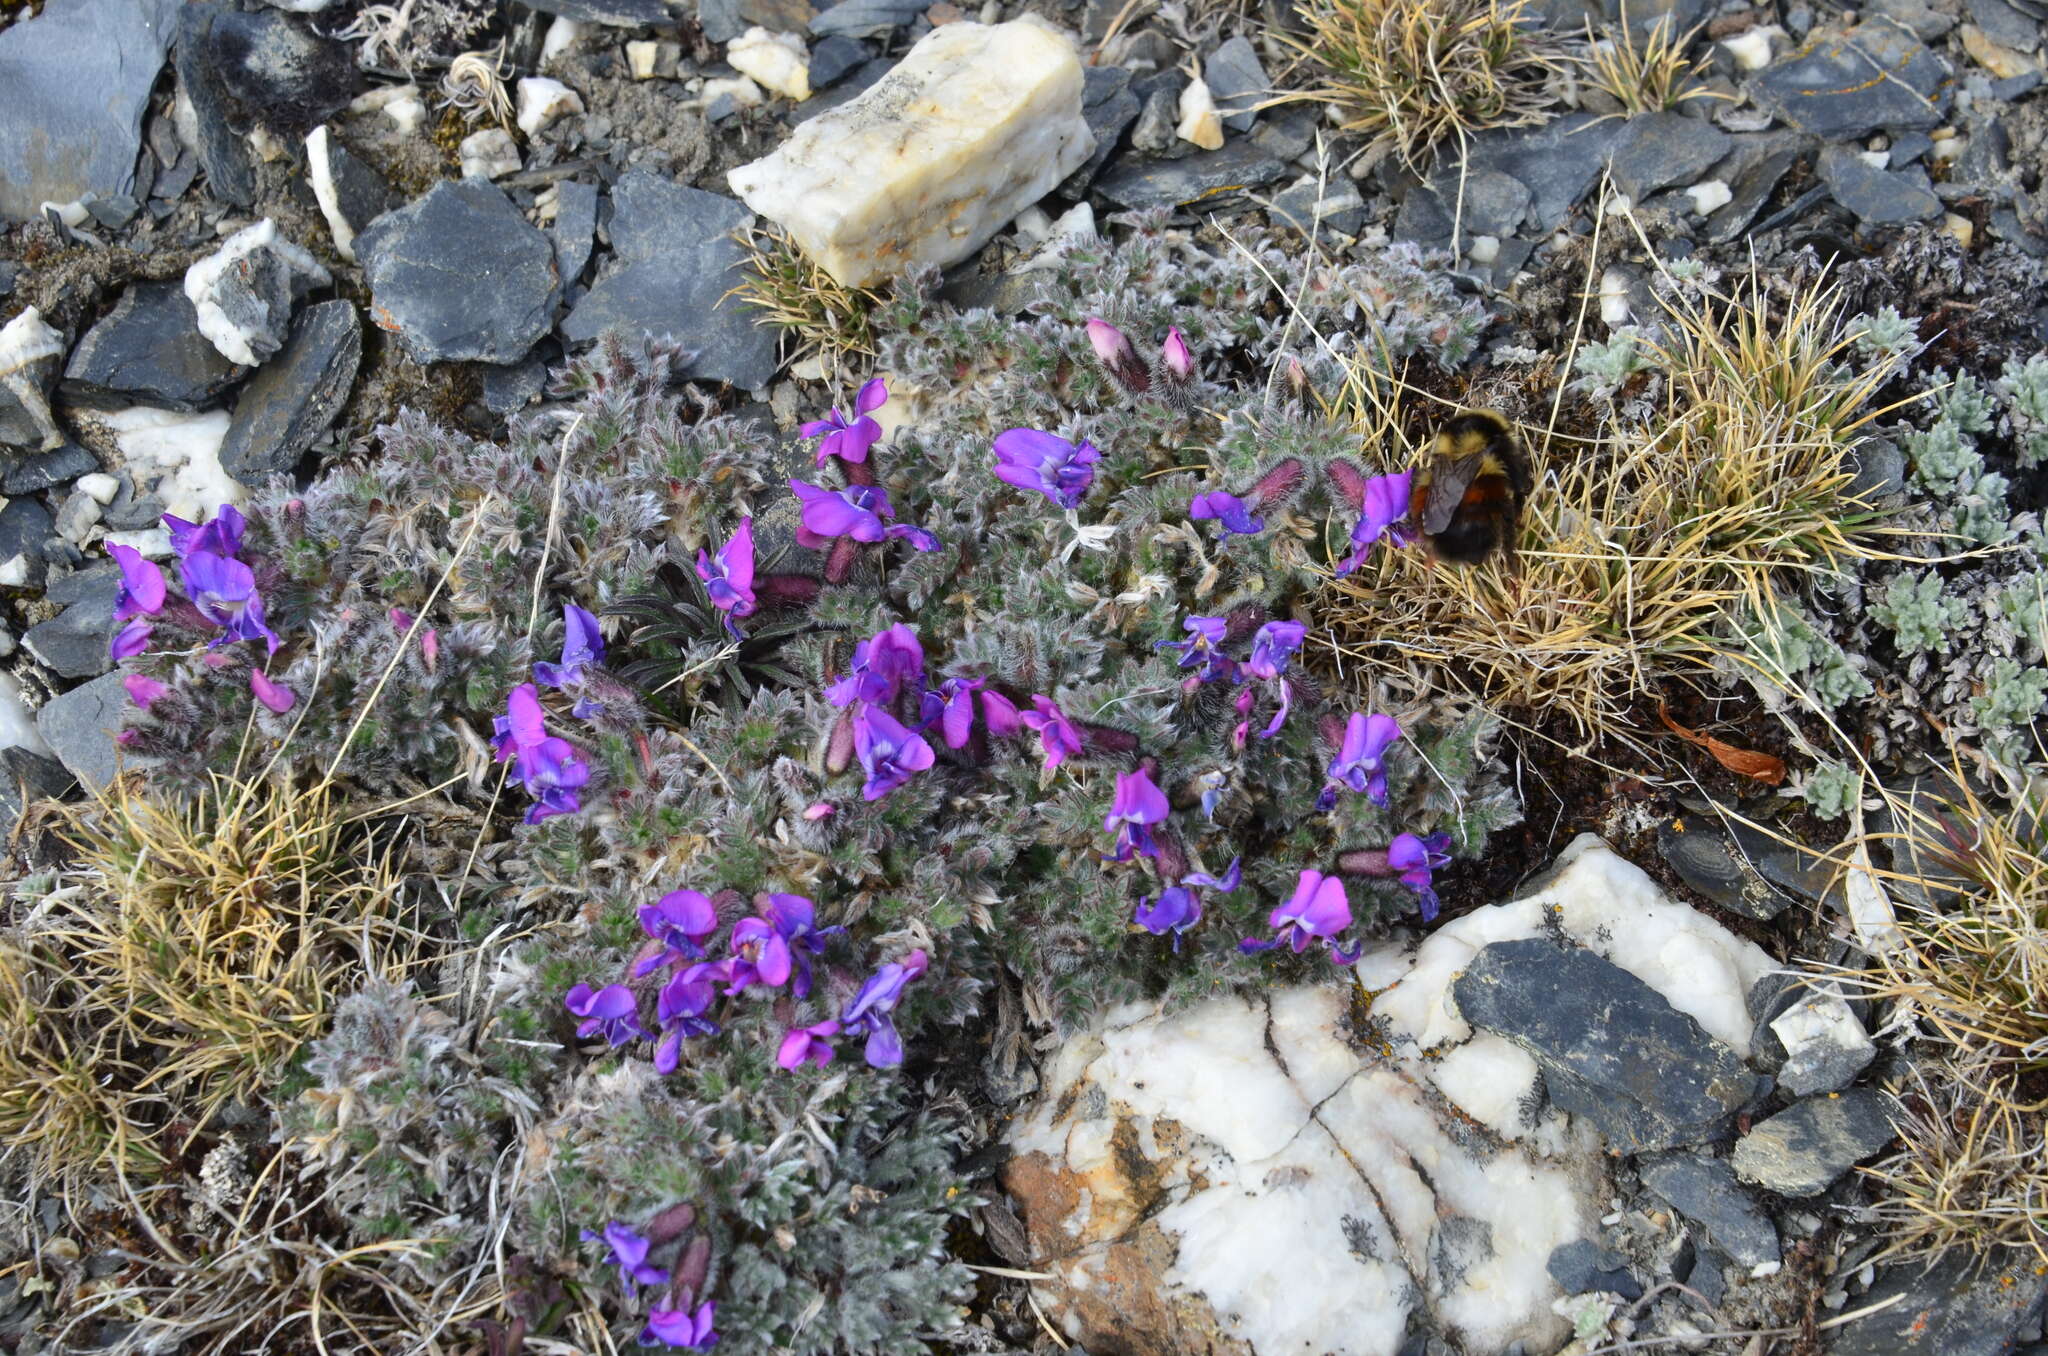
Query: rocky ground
column 1593, row 1110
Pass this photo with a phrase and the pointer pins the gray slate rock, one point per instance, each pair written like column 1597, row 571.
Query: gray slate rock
column 1752, row 188
column 1582, row 1266
column 148, row 350
column 1707, row 861
column 360, row 193
column 508, row 390
column 1206, row 175
column 74, row 642
column 1611, row 1047
column 2007, row 25
column 1917, row 17
column 1877, row 197
column 867, row 18
column 1335, row 205
column 460, row 275
column 277, row 72
column 1237, row 81
column 41, row 470
column 1705, row 1191
column 1153, row 133
column 1495, row 204
column 80, row 727
column 224, row 151
column 26, row 777
column 613, row 13
column 865, row 77
column 1876, row 76
column 295, row 397
column 1658, row 150
column 1109, row 107
column 1644, row 16
column 24, row 526
column 1954, row 1308
column 1559, row 162
column 574, row 228
column 832, row 57
column 77, row 81
column 675, row 262
column 1804, row 1148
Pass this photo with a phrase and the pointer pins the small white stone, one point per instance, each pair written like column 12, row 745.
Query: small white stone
column 1960, row 227
column 562, row 34
column 1875, row 159
column 1825, row 1046
column 777, row 60
column 72, row 214
column 542, row 101
column 1948, row 148
column 99, row 485
column 1076, row 226
column 17, row 722
column 743, row 90
column 1483, row 249
column 976, row 123
column 14, row 571
column 153, row 543
column 180, row 454
column 325, row 193
column 641, row 58
column 1751, row 50
column 1614, row 309
column 266, row 145
column 27, row 339
column 1200, row 123
column 810, row 369
column 1710, row 196
column 488, row 154
column 205, row 280
column 406, row 115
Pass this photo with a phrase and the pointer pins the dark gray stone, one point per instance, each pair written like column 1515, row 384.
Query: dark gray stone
column 27, row 777
column 360, row 193
column 574, row 228
column 295, row 397
column 148, row 350
column 1705, row 1191
column 76, row 82
column 1611, row 1046
column 1559, row 162
column 1495, row 204
column 1877, row 197
column 508, row 390
column 1341, row 208
column 867, row 18
column 1752, row 189
column 1957, row 1307
column 1286, row 132
column 1908, row 147
column 41, row 470
column 1237, row 81
column 1804, row 1148
column 2016, row 86
column 1919, row 18
column 1707, row 861
column 1583, row 1266
column 676, row 262
column 24, row 526
column 1206, row 176
column 613, row 13
column 80, row 727
column 1003, row 293
column 1644, row 16
column 74, row 642
column 132, row 510
column 1109, row 107
column 2007, row 25
column 720, row 19
column 1876, row 76
column 460, row 275
column 1658, row 150
column 864, row 78
column 832, row 57
column 115, row 212
column 277, row 72
column 1153, row 133
column 9, row 270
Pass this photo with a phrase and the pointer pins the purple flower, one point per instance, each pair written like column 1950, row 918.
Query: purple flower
column 582, row 646
column 1204, row 647
column 682, row 921
column 1416, row 858
column 130, row 640
column 220, row 537
column 1318, row 911
column 951, row 705
column 1179, row 907
column 545, row 765
column 1058, row 736
column 1045, row 462
column 999, row 713
column 628, row 1251
column 680, row 1328
column 610, row 1012
column 680, row 1010
column 1227, row 509
column 1360, row 763
column 430, row 642
column 730, row 579
column 870, row 1012
column 224, row 591
column 888, row 753
column 276, row 696
column 856, row 511
column 793, row 922
column 807, row 1045
column 142, row 689
column 1386, row 504
column 142, row 584
column 1137, row 806
column 850, row 441
column 1272, row 647
column 883, row 665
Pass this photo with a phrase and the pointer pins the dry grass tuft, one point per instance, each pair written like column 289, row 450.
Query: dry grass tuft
column 1635, row 548
column 1649, row 78
column 1410, row 74
column 798, row 297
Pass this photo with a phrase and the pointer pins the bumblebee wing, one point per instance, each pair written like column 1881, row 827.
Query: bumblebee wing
column 1450, row 479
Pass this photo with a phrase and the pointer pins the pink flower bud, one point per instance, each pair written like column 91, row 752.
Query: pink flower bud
column 1119, row 356
column 430, row 647
column 276, row 696
column 142, row 690
column 1174, row 356
column 823, row 809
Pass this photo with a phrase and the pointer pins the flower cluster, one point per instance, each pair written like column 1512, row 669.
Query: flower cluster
column 681, row 1323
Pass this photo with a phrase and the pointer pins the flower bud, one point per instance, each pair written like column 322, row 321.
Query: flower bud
column 1119, row 356
column 1175, row 359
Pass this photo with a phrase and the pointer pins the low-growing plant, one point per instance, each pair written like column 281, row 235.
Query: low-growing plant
column 1647, row 77
column 793, row 293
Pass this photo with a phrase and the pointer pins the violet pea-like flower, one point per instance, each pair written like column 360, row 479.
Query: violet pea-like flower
column 1273, row 645
column 1058, row 736
column 1416, row 859
column 1386, row 505
column 807, row 1045
column 883, row 665
column 1136, row 807
column 682, row 1329
column 871, row 1010
column 1227, row 509
column 1317, row 912
column 850, row 439
column 546, row 765
column 628, row 1251
column 224, row 591
column 1361, row 761
column 729, row 579
column 1204, row 647
column 221, row 536
column 582, row 646
column 1032, row 460
column 857, row 512
column 142, row 585
column 680, row 1010
column 888, row 753
column 610, row 1012
column 682, row 921
column 130, row 640
column 1179, row 907
column 142, row 689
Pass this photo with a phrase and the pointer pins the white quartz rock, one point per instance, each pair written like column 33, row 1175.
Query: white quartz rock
column 1200, row 123
column 976, row 123
column 244, row 291
column 562, row 34
column 1752, row 50
column 777, row 61
column 17, row 722
column 1825, row 1045
column 180, row 455
column 542, row 101
column 488, row 154
column 406, row 115
column 28, row 349
column 1710, row 196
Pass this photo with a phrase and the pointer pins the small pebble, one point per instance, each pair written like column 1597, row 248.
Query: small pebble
column 1959, row 227
column 1751, row 50
column 101, row 486
column 542, row 101
column 1710, row 197
column 489, row 154
column 1200, row 124
column 1483, row 250
column 641, row 58
column 1614, row 297
column 562, row 35
column 406, row 115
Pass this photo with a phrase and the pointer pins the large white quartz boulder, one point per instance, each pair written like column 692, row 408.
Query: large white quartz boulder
column 976, row 123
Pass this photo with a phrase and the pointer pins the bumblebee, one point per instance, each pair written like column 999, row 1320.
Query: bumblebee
column 1467, row 497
